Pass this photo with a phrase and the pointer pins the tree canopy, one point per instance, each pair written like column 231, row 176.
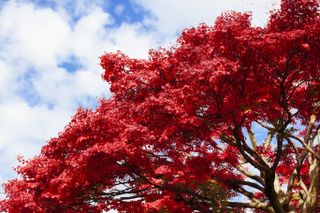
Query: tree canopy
column 227, row 119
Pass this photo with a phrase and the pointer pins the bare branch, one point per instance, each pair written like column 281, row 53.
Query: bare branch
column 279, row 152
column 306, row 139
column 306, row 146
column 268, row 140
column 255, row 205
column 265, row 126
column 243, row 147
column 252, row 138
column 250, row 175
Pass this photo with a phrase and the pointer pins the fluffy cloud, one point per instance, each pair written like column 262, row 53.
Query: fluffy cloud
column 49, row 58
column 170, row 17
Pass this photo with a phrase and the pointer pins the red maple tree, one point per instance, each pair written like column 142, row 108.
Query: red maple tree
column 227, row 119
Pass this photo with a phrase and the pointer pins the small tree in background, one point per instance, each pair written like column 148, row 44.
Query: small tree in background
column 229, row 113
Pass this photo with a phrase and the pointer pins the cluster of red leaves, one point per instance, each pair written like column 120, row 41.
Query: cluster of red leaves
column 155, row 145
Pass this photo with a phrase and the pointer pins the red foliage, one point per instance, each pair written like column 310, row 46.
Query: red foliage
column 170, row 137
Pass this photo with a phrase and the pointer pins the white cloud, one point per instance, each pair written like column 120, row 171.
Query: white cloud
column 119, row 9
column 24, row 129
column 36, row 36
column 22, row 123
column 134, row 41
column 170, row 17
column 5, row 79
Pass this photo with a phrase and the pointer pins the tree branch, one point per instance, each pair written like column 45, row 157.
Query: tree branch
column 254, row 205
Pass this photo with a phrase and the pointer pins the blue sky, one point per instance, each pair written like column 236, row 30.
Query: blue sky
column 50, row 49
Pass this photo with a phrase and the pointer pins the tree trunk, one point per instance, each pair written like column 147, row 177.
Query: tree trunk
column 310, row 204
column 272, row 194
